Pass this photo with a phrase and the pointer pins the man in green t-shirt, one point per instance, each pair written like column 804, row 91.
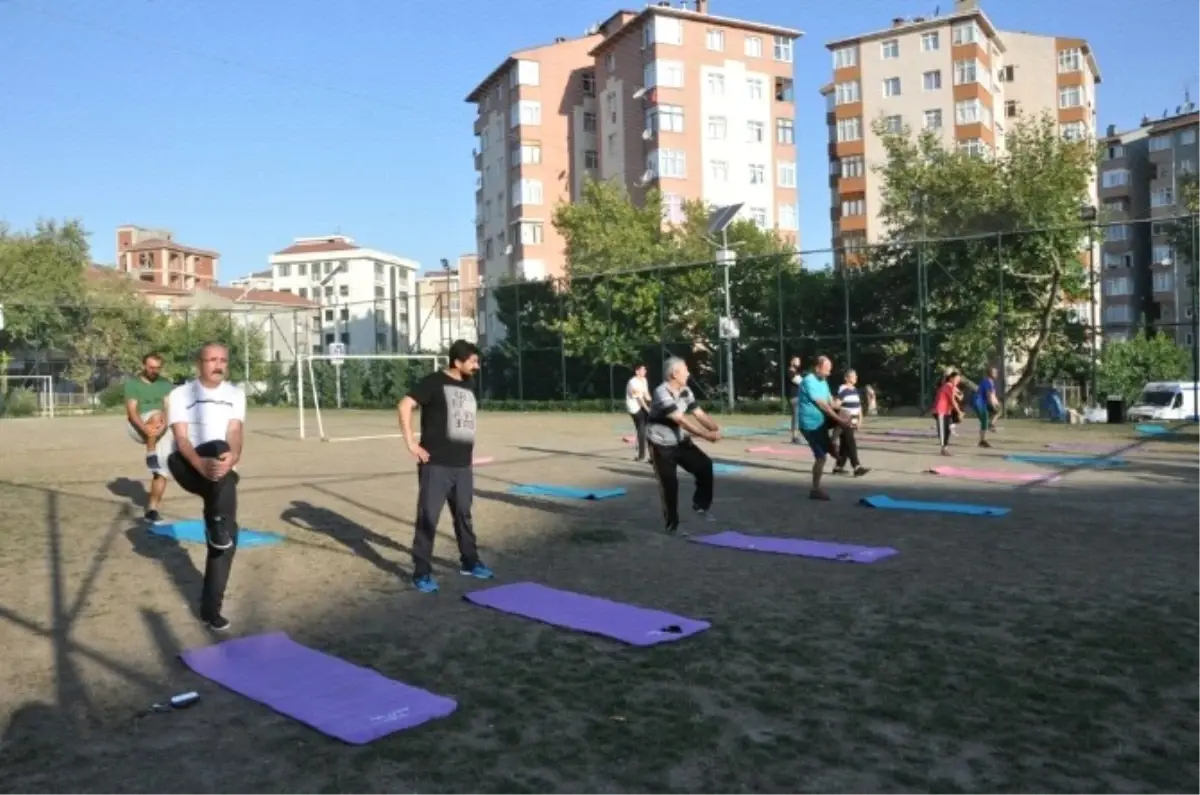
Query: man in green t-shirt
column 146, row 410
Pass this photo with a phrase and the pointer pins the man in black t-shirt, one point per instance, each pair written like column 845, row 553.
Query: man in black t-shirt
column 444, row 457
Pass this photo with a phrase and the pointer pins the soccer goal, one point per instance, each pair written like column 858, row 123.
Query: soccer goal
column 27, row 396
column 352, row 397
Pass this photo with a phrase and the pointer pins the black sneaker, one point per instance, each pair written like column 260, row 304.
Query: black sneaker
column 984, row 443
column 217, row 534
column 152, row 516
column 860, row 471
column 217, row 623
column 672, row 528
column 704, row 513
column 838, row 471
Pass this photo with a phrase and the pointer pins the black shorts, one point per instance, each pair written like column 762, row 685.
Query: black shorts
column 819, row 441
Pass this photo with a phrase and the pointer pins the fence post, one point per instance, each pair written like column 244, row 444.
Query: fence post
column 783, row 382
column 520, row 353
column 559, row 286
column 846, row 311
column 922, row 355
column 612, row 387
column 1003, row 385
column 662, row 321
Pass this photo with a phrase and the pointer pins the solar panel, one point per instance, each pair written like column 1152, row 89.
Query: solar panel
column 721, row 217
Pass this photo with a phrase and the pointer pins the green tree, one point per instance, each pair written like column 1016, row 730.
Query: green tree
column 42, row 273
column 1126, row 366
column 110, row 329
column 977, row 219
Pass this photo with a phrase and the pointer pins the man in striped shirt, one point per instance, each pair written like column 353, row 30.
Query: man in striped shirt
column 849, row 404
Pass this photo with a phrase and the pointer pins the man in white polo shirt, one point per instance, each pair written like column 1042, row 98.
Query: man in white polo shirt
column 206, row 418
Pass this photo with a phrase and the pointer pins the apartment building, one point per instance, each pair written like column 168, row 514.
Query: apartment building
column 956, row 75
column 1146, row 282
column 446, row 305
column 259, row 280
column 365, row 295
column 153, row 255
column 672, row 97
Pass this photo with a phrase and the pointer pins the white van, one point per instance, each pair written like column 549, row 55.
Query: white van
column 1165, row 400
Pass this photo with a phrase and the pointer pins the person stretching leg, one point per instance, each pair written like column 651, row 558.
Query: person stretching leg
column 674, row 420
column 817, row 416
column 444, row 460
column 945, row 407
column 206, row 418
column 145, row 407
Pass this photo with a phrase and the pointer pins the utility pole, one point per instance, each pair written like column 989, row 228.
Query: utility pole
column 1087, row 214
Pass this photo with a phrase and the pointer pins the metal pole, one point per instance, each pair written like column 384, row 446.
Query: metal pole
column 520, row 367
column 921, row 318
column 246, row 345
column 846, row 310
column 1195, row 291
column 1092, row 389
column 729, row 318
column 783, row 382
column 557, row 286
column 1003, row 385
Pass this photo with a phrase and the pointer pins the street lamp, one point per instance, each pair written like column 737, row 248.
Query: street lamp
column 1087, row 214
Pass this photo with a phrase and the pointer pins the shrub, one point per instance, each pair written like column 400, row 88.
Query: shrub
column 21, row 402
column 112, row 395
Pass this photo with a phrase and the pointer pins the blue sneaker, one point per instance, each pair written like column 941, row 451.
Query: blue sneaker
column 479, row 572
column 426, row 584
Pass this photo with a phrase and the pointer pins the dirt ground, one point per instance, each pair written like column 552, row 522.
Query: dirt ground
column 1052, row 650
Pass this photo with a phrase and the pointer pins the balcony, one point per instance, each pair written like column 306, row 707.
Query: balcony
column 478, row 156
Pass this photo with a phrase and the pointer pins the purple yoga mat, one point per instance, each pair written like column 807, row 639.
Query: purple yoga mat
column 637, row 626
column 796, row 546
column 353, row 704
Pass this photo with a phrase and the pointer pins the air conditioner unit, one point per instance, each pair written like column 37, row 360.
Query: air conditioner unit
column 508, row 250
column 640, row 92
column 647, row 134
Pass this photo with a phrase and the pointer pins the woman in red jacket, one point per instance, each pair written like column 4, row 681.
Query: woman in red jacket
column 945, row 408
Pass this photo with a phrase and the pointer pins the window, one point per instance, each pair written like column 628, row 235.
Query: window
column 1119, row 313
column 668, row 163
column 1160, row 228
column 759, row 216
column 753, row 47
column 1187, row 137
column 344, row 290
column 1070, row 97
column 1164, row 282
column 717, row 128
column 787, row 217
column 664, row 118
column 715, row 40
column 588, row 81
column 719, row 169
column 973, row 147
column 891, row 86
column 302, row 269
column 668, row 74
column 531, row 152
column 854, row 207
column 1186, row 166
column 284, row 271
column 1114, row 178
column 662, row 30
column 1006, row 74
column 966, row 33
column 1010, row 109
column 610, row 61
column 1162, row 197
column 716, row 84
column 971, row 111
column 853, row 166
column 1162, row 254
column 933, row 119
column 379, row 269
column 966, row 71
column 672, row 208
column 929, row 42
column 589, row 122
column 784, row 89
column 612, row 143
column 844, row 93
column 1118, row 285
column 785, row 174
column 302, row 292
column 889, row 49
column 526, row 191
column 526, row 111
column 591, row 158
column 785, row 132
column 1115, row 233
column 754, row 132
column 1160, row 143
column 527, row 73
column 849, row 129
column 893, row 124
column 1074, row 131
column 754, row 88
column 844, row 57
column 1112, row 260
column 532, row 233
column 1070, row 60
column 756, row 174
column 783, row 49
column 1115, row 151
column 932, row 80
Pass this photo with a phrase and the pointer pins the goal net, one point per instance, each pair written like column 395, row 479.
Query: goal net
column 353, row 397
column 26, row 396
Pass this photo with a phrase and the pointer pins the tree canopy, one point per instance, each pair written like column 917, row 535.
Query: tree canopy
column 1126, row 366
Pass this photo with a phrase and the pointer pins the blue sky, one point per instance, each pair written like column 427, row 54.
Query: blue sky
column 241, row 124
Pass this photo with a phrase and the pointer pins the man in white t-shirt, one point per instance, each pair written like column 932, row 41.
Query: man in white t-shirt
column 206, row 418
column 637, row 403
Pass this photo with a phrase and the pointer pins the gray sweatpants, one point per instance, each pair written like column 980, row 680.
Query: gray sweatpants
column 438, row 486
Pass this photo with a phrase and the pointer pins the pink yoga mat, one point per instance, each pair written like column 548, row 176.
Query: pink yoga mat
column 993, row 475
column 482, row 461
column 768, row 450
column 628, row 439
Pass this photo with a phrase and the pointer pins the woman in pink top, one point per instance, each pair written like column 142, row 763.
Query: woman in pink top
column 945, row 407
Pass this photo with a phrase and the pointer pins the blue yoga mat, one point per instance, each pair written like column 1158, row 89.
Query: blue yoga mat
column 1151, row 430
column 887, row 503
column 565, row 492
column 1068, row 460
column 191, row 531
column 726, row 469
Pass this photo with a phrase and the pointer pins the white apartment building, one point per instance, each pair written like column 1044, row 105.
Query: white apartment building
column 365, row 295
